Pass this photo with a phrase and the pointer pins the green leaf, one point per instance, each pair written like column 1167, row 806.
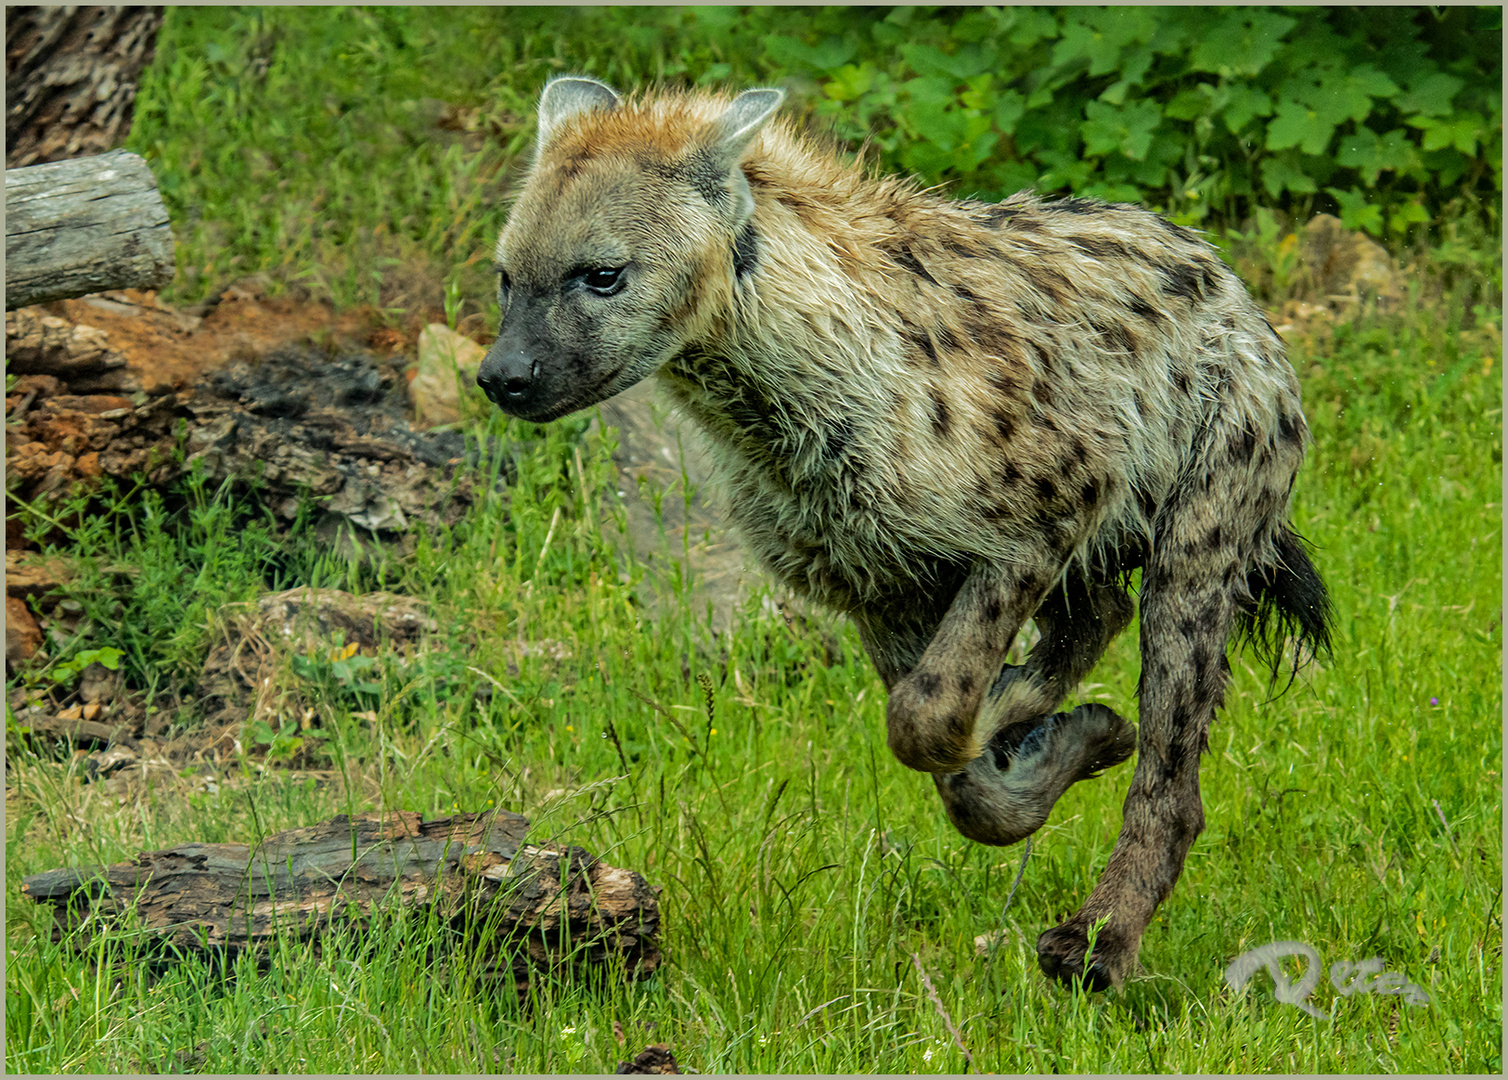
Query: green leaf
column 1128, row 129
column 1430, row 94
column 850, row 82
column 1187, row 104
column 790, row 52
column 1366, row 151
column 1032, row 25
column 1243, row 42
column 1245, row 103
column 1281, row 173
column 1356, row 212
column 1295, row 125
column 1010, row 106
column 1410, row 213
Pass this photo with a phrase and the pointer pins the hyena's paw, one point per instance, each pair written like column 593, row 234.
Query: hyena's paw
column 1006, row 794
column 1062, row 953
column 1102, row 738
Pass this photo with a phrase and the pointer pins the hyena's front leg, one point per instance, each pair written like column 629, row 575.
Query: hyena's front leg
column 934, row 710
column 1006, row 793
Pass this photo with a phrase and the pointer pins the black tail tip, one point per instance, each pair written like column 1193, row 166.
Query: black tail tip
column 1289, row 603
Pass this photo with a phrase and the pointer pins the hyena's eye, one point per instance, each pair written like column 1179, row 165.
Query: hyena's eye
column 603, row 280
column 504, row 282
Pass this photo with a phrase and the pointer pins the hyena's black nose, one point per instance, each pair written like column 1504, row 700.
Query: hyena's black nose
column 508, row 377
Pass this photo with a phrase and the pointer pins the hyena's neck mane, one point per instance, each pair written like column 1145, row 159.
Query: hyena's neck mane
column 808, row 350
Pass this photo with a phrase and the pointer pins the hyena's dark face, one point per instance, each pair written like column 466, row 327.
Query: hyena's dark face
column 618, row 253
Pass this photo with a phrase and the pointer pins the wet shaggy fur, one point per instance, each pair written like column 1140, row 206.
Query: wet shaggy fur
column 942, row 418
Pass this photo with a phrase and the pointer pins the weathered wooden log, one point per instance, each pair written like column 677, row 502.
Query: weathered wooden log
column 83, row 226
column 70, row 78
column 528, row 908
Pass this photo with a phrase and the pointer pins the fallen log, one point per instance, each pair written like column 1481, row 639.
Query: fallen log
column 528, row 908
column 83, row 226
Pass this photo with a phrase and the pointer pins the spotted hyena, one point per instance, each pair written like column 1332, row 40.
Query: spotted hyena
column 941, row 418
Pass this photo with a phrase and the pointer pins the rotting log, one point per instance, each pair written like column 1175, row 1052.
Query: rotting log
column 527, row 908
column 84, row 226
column 70, row 78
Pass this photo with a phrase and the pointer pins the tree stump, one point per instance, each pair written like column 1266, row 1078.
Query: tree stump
column 70, row 78
column 84, row 226
column 527, row 908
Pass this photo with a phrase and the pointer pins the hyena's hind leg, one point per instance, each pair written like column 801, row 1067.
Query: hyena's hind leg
column 1215, row 563
column 1035, row 755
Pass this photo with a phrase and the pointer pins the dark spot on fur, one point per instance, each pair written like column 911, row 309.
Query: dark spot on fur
column 1042, row 391
column 1146, row 504
column 839, row 437
column 1288, row 430
column 1141, row 406
column 1021, row 218
column 1181, row 381
column 945, row 337
column 927, row 684
column 1046, row 489
column 1182, row 279
column 1010, row 475
column 1003, row 426
column 907, row 261
column 1089, row 494
column 1075, row 206
column 1045, row 280
column 940, row 418
column 923, row 341
column 745, row 251
column 1212, row 539
column 1143, row 310
column 1002, row 382
column 1115, row 336
column 992, row 610
column 965, row 685
column 961, row 249
column 1101, row 248
column 963, row 292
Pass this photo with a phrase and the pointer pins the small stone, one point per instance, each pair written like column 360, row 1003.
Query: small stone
column 447, row 360
column 22, row 635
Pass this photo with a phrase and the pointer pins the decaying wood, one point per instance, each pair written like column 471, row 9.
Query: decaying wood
column 83, row 226
column 70, row 78
column 296, row 425
column 527, row 908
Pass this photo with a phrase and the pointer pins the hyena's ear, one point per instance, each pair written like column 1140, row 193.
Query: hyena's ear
column 568, row 96
column 730, row 136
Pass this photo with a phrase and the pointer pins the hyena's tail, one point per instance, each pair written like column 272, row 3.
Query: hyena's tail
column 1288, row 602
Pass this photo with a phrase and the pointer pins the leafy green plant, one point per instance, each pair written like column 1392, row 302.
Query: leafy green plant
column 67, row 670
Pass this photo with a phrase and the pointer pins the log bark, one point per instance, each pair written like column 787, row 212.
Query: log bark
column 70, row 78
column 84, row 226
column 528, row 908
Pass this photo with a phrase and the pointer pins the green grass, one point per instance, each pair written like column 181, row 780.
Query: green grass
column 802, row 867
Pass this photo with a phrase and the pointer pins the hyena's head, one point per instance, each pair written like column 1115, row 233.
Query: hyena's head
column 624, row 245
